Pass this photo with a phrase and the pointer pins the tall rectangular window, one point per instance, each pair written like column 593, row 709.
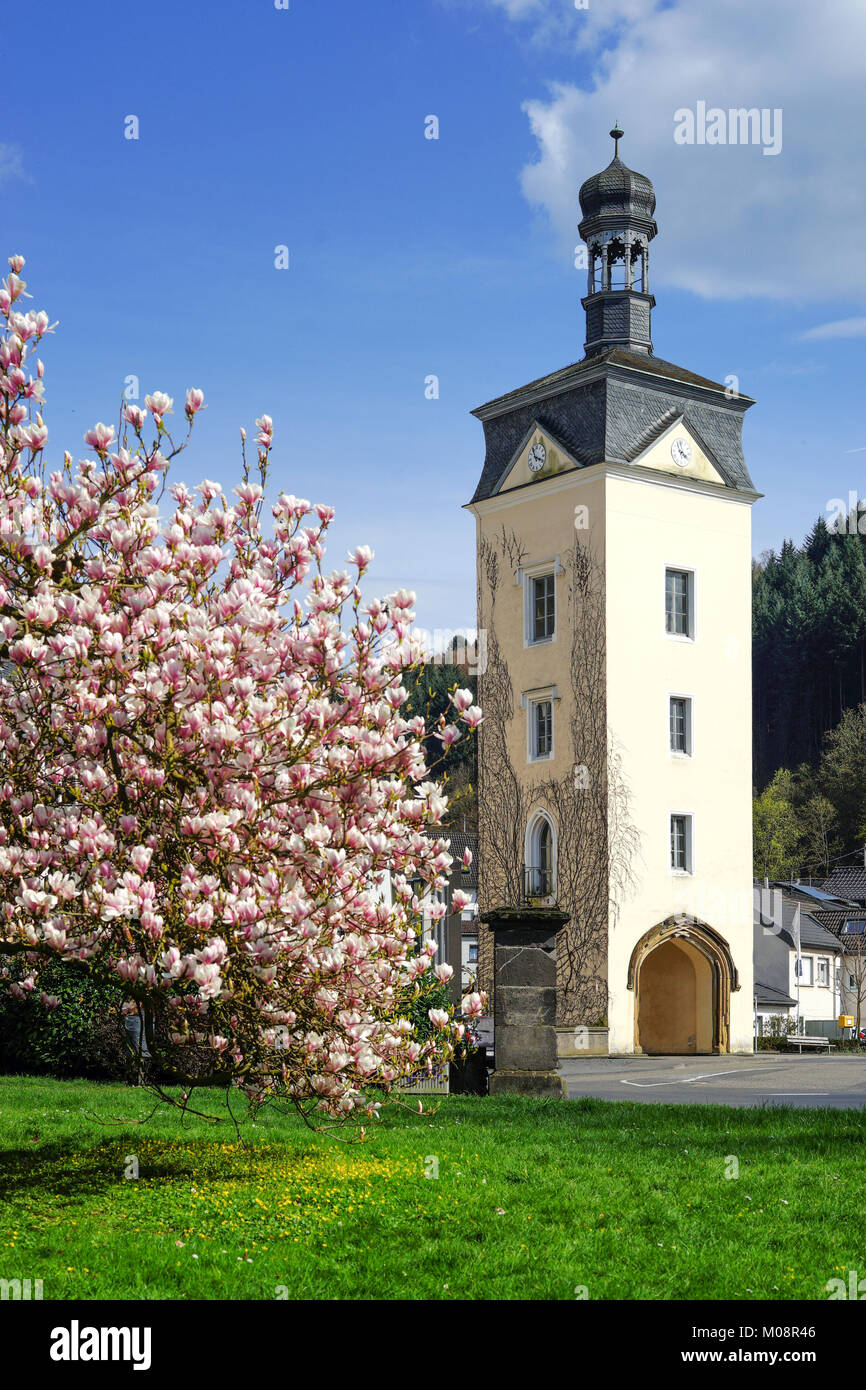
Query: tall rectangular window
column 681, row 724
column 681, row 844
column 539, row 705
column 543, row 722
column 678, row 603
column 543, row 608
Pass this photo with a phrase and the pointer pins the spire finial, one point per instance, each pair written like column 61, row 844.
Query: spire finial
column 616, row 135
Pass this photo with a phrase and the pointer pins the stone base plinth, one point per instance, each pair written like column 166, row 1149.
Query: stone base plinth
column 545, row 1084
column 524, row 1001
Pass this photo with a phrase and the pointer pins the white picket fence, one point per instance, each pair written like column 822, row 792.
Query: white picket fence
column 423, row 1083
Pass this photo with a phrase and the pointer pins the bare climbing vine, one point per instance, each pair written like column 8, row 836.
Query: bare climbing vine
column 589, row 804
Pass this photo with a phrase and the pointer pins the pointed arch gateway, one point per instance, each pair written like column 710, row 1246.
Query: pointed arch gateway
column 682, row 975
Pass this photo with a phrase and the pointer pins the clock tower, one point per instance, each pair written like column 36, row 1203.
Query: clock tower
column 613, row 521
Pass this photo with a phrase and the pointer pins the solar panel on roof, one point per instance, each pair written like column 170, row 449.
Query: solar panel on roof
column 811, row 892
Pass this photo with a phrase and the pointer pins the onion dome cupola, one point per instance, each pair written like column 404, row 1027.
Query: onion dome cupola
column 617, row 225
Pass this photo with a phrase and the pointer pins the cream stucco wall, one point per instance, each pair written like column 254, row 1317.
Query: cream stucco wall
column 654, row 522
column 542, row 518
column 638, row 520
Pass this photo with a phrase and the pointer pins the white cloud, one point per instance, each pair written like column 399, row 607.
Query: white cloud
column 732, row 222
column 520, row 9
column 11, row 162
column 842, row 328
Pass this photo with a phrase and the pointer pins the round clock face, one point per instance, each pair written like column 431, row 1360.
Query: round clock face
column 681, row 452
column 537, row 455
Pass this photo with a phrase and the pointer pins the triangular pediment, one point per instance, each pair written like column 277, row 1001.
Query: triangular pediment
column 538, row 456
column 678, row 448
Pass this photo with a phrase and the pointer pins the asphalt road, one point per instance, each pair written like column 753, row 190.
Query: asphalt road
column 814, row 1081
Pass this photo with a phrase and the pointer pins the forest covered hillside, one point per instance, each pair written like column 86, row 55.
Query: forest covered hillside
column 809, row 694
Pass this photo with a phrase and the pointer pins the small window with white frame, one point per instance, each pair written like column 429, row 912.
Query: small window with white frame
column 680, row 603
column 806, row 972
column 540, row 723
column 823, row 971
column 680, row 738
column 539, row 605
column 682, row 843
column 542, row 617
column 540, row 728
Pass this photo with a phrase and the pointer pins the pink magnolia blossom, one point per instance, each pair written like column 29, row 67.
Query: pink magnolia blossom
column 462, row 699
column 449, row 735
column 159, row 404
column 205, row 769
column 100, row 437
column 473, row 1005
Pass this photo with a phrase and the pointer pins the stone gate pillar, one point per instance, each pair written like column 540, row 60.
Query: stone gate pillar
column 524, row 1001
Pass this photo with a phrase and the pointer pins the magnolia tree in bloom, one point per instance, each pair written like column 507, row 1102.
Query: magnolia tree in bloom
column 205, row 776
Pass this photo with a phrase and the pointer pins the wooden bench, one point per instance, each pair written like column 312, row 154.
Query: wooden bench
column 796, row 1040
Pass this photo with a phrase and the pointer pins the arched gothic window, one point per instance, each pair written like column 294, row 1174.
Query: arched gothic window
column 540, row 857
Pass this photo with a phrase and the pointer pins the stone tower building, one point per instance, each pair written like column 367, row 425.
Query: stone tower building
column 613, row 520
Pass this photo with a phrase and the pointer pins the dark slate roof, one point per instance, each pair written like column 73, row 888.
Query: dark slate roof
column 609, row 407
column 765, row 994
column 812, row 935
column 617, row 357
column 847, row 883
column 617, row 191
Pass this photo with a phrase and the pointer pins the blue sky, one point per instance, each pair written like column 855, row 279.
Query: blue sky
column 409, row 257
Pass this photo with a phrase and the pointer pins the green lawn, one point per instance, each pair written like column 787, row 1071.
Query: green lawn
column 532, row 1200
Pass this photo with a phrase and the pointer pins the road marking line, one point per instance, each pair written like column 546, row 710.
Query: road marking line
column 685, row 1080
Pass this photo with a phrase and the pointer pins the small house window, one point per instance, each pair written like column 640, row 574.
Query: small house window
column 542, row 729
column 543, row 615
column 680, row 721
column 679, row 603
column 681, row 844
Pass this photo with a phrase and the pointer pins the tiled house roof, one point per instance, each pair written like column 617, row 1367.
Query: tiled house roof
column 847, row 883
